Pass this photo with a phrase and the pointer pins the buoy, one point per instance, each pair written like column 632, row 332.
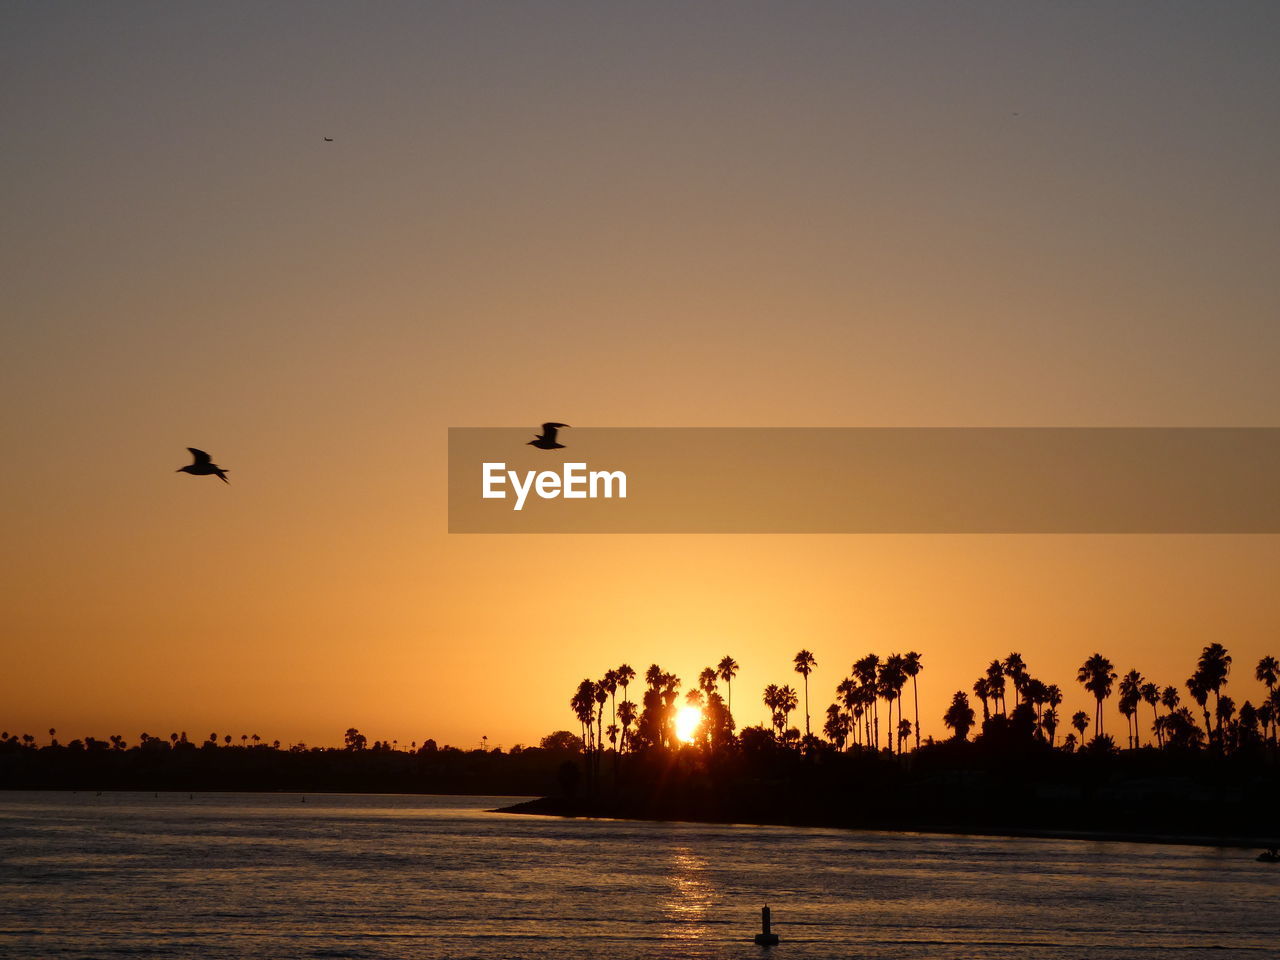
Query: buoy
column 765, row 937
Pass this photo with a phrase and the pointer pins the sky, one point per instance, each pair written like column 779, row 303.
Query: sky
column 713, row 214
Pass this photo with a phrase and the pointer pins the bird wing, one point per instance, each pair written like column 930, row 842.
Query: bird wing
column 200, row 455
column 549, row 430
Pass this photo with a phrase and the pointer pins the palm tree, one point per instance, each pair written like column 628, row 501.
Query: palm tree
column 625, row 676
column 1268, row 672
column 627, row 716
column 788, row 700
column 1080, row 720
column 893, row 678
column 653, row 676
column 1151, row 696
column 995, row 683
column 836, row 728
column 1053, row 697
column 707, row 680
column 1266, row 717
column 982, row 689
column 670, row 684
column 727, row 669
column 1049, row 721
column 1016, row 671
column 601, row 693
column 805, row 663
column 959, row 716
column 1200, row 694
column 1130, row 696
column 582, row 703
column 912, row 665
column 867, row 670
column 1096, row 675
column 610, row 682
column 1225, row 709
column 771, row 701
column 1214, row 665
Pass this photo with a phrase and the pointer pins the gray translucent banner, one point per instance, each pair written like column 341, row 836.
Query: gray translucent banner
column 866, row 480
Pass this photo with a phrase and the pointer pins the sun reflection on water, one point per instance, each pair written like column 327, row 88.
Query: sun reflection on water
column 690, row 896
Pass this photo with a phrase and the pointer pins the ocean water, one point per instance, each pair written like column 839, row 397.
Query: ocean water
column 406, row 877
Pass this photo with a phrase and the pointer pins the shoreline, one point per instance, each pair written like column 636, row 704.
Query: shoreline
column 549, row 807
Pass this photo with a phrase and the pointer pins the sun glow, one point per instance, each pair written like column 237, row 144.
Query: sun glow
column 687, row 721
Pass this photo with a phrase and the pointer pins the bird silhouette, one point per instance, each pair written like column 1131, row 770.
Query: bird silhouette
column 547, row 439
column 202, row 465
column 328, row 139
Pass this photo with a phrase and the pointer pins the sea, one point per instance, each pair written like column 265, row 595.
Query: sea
column 278, row 876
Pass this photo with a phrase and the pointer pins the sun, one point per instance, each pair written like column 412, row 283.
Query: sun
column 688, row 719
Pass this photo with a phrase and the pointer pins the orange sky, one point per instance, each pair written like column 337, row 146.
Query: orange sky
column 788, row 215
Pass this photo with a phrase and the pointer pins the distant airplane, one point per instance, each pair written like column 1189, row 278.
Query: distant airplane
column 328, row 139
column 547, row 439
column 203, row 466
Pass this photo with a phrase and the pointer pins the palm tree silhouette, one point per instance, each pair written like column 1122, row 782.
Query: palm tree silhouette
column 1268, row 672
column 1130, row 695
column 911, row 666
column 867, row 670
column 707, row 680
column 727, row 669
column 582, row 703
column 627, row 716
column 610, row 682
column 981, row 690
column 771, row 702
column 1200, row 694
column 1016, row 670
column 1225, row 709
column 959, row 716
column 601, row 693
column 1096, row 675
column 893, row 678
column 836, row 727
column 653, row 676
column 788, row 700
column 1151, row 696
column 1053, row 697
column 625, row 676
column 995, row 684
column 805, row 663
column 1080, row 720
column 1049, row 721
column 1214, row 665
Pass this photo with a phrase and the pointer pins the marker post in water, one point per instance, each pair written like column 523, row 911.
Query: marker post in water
column 766, row 938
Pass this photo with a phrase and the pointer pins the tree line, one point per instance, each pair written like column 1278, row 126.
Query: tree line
column 875, row 690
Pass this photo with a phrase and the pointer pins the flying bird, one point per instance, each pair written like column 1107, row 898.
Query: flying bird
column 547, row 439
column 202, row 465
column 328, row 139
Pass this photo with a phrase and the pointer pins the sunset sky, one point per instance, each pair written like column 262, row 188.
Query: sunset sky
column 711, row 214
